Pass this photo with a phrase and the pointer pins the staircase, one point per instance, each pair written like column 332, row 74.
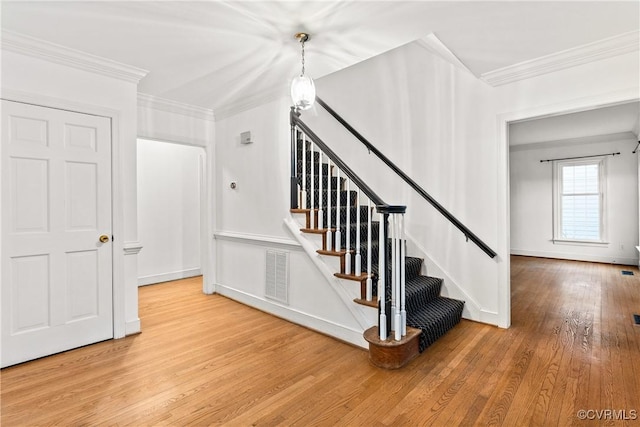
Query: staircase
column 336, row 205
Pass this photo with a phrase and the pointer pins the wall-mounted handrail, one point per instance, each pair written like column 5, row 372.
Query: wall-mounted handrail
column 460, row 226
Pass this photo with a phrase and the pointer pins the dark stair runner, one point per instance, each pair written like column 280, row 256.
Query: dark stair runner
column 426, row 310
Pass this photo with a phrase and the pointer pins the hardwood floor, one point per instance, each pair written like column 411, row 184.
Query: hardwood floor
column 206, row 360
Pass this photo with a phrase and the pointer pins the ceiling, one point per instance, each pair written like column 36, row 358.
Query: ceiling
column 213, row 54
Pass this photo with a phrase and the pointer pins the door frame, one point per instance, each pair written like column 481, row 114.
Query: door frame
column 150, row 105
column 504, row 190
column 119, row 246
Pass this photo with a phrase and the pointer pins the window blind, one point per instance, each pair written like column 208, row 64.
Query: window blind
column 580, row 202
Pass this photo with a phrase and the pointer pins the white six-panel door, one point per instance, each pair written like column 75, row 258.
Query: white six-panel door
column 56, row 204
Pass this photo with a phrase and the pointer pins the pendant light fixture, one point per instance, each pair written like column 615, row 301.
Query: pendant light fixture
column 303, row 90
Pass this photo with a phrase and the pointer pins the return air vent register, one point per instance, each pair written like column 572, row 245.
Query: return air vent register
column 277, row 276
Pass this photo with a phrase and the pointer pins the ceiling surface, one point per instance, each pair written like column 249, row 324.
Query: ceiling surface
column 216, row 53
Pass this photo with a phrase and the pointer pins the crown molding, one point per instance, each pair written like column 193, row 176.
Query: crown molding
column 603, row 49
column 251, row 101
column 581, row 141
column 434, row 45
column 41, row 49
column 162, row 104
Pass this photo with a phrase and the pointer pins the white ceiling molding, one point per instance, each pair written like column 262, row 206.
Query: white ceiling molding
column 252, row 101
column 607, row 48
column 433, row 44
column 581, row 141
column 37, row 48
column 170, row 106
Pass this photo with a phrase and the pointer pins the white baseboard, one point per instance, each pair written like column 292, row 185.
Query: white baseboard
column 484, row 316
column 576, row 257
column 166, row 277
column 132, row 327
column 323, row 326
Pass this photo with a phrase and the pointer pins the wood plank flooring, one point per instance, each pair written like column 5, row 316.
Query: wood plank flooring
column 207, row 360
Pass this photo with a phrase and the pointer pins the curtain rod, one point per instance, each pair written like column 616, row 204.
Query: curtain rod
column 580, row 157
column 634, row 151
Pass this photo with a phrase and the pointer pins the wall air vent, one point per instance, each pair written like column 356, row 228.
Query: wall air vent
column 277, row 276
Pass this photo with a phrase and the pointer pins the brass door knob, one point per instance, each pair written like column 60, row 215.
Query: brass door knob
column 104, row 238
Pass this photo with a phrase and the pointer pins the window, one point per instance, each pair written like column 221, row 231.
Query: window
column 579, row 201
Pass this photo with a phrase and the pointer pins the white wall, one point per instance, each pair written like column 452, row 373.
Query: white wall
column 169, row 191
column 261, row 171
column 166, row 120
column 636, row 133
column 436, row 123
column 441, row 125
column 250, row 220
column 531, row 201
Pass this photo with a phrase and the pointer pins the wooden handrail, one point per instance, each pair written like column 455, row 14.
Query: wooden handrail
column 452, row 219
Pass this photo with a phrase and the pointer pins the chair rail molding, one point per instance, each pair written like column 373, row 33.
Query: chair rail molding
column 257, row 239
column 132, row 248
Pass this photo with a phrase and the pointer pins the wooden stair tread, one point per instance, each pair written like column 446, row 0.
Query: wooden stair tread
column 314, row 230
column 331, row 253
column 373, row 303
column 302, row 211
column 317, row 230
column 307, row 213
column 353, row 277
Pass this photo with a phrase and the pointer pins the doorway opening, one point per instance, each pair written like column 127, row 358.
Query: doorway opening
column 552, row 217
column 540, row 147
column 171, row 196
